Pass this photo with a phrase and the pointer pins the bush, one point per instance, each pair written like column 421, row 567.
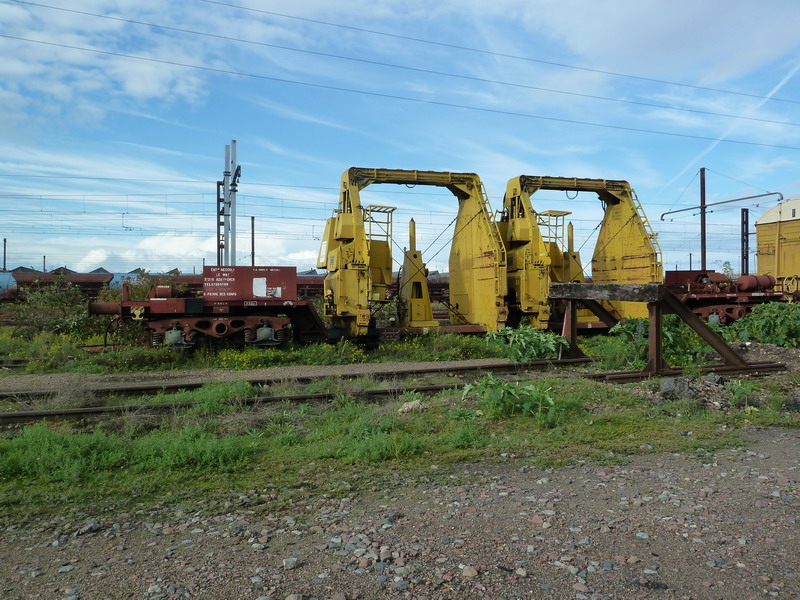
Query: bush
column 385, row 446
column 627, row 344
column 49, row 351
column 249, row 358
column 772, row 323
column 58, row 307
column 135, row 359
column 191, row 449
column 217, row 398
column 615, row 352
column 44, row 454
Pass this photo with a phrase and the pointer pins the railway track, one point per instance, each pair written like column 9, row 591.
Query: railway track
column 754, row 368
column 13, row 363
column 9, row 418
column 128, row 389
column 100, row 411
column 21, row 363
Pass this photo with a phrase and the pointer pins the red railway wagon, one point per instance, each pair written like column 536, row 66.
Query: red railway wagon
column 250, row 305
column 715, row 296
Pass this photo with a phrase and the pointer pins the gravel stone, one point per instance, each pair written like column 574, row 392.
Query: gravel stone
column 469, row 572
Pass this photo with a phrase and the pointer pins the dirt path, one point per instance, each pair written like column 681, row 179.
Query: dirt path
column 661, row 526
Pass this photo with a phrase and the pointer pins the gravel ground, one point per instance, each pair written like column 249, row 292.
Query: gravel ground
column 661, row 526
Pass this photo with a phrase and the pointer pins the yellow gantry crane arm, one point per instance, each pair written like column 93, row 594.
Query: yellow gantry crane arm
column 627, row 250
column 357, row 255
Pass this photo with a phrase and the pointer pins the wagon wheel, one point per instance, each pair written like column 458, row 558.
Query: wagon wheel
column 791, row 284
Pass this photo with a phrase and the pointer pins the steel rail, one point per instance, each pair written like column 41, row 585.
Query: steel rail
column 13, row 363
column 36, row 415
column 754, row 368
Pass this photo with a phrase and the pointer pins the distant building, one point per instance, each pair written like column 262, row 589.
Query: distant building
column 62, row 271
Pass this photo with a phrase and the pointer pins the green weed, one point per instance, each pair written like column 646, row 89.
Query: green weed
column 41, row 453
column 527, row 343
column 326, row 385
column 771, row 323
column 463, row 414
column 214, row 398
column 627, row 345
column 508, row 399
column 466, row 435
column 744, row 393
column 437, row 347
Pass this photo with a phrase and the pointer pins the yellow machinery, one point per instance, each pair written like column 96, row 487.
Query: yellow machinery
column 415, row 301
column 626, row 251
column 359, row 266
column 355, row 250
column 528, row 257
column 778, row 243
column 565, row 263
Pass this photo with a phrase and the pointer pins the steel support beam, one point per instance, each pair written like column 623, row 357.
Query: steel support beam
column 655, row 339
column 570, row 330
column 727, row 353
column 600, row 312
column 660, row 301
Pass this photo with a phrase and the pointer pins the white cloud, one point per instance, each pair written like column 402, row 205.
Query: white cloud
column 715, row 41
column 94, row 259
column 303, row 257
column 297, row 115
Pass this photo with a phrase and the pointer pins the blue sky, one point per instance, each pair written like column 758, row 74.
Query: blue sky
column 107, row 160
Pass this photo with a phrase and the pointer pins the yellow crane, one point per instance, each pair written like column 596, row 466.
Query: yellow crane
column 357, row 254
column 626, row 251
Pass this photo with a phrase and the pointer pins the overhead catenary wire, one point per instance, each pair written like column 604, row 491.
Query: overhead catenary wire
column 737, row 180
column 683, row 191
column 410, row 68
column 440, row 103
column 498, row 54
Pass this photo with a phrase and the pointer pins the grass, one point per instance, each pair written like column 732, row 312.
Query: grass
column 51, row 353
column 212, row 398
column 211, row 451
